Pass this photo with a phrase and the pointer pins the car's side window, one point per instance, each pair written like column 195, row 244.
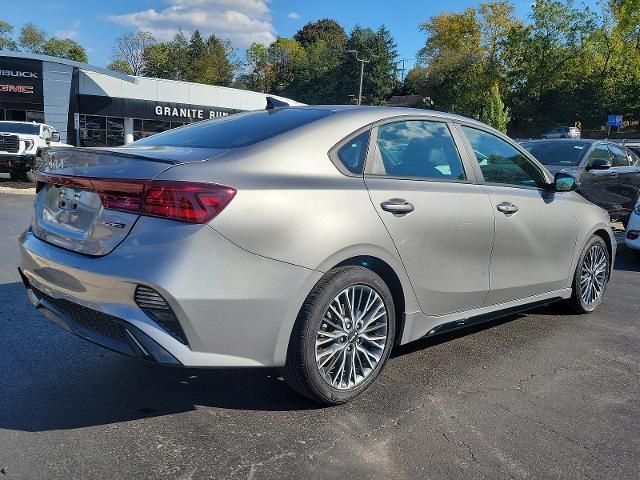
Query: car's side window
column 417, row 149
column 599, row 152
column 353, row 152
column 501, row 162
column 620, row 157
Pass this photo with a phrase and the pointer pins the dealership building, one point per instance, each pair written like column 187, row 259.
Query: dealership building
column 92, row 106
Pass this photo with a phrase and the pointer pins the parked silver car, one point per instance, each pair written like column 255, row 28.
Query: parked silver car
column 309, row 238
column 562, row 132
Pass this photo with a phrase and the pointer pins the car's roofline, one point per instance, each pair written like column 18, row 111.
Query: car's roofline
column 388, row 112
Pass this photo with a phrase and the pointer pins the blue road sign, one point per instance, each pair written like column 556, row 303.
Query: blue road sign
column 614, row 120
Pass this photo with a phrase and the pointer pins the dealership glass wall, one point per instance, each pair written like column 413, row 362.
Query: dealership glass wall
column 21, row 115
column 99, row 131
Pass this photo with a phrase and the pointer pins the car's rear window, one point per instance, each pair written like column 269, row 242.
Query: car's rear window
column 563, row 152
column 238, row 130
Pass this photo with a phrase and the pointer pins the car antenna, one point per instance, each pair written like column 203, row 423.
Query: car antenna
column 273, row 103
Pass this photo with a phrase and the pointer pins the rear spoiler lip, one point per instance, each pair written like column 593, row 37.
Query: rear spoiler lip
column 106, row 151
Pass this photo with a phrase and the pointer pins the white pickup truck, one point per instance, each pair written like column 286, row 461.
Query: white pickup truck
column 20, row 145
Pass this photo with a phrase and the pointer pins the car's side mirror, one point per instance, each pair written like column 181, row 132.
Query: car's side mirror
column 55, row 137
column 565, row 182
column 599, row 164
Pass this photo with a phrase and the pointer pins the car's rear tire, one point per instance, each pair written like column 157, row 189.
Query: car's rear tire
column 591, row 276
column 342, row 337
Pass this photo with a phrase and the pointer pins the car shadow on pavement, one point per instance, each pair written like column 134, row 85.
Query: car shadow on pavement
column 52, row 380
column 626, row 260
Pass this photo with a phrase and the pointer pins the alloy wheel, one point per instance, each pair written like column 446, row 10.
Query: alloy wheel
column 593, row 274
column 351, row 337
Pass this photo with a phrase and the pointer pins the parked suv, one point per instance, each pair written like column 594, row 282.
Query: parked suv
column 562, row 132
column 20, row 144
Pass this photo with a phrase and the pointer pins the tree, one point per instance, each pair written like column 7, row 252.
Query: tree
column 6, row 42
column 258, row 64
column 452, row 58
column 379, row 74
column 327, row 30
column 129, row 48
column 288, row 62
column 494, row 112
column 157, row 61
column 32, row 38
column 65, row 48
column 209, row 62
column 120, row 66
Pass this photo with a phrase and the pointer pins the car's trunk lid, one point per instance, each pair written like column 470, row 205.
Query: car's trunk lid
column 69, row 207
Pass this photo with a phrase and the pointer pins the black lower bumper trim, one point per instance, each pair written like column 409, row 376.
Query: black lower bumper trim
column 100, row 328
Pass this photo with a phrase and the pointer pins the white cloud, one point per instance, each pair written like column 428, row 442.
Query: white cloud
column 294, row 15
column 71, row 34
column 241, row 21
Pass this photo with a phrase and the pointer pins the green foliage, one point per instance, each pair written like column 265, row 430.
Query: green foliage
column 6, row 42
column 193, row 60
column 565, row 65
column 494, row 112
column 379, row 48
column 32, row 38
column 121, row 66
column 327, row 30
column 65, row 48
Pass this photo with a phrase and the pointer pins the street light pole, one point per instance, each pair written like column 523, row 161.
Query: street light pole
column 361, row 77
column 362, row 62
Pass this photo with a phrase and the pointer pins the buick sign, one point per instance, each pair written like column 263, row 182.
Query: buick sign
column 18, row 73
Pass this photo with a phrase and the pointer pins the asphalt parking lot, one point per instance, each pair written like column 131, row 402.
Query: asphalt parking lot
column 541, row 395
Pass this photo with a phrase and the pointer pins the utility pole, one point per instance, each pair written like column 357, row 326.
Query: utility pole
column 362, row 62
column 402, row 69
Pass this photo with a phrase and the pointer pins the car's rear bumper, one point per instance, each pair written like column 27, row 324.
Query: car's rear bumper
column 12, row 163
column 235, row 308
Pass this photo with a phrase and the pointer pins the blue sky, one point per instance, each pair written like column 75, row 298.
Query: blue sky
column 95, row 24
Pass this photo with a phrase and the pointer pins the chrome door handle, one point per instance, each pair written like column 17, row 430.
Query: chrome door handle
column 614, row 174
column 507, row 208
column 397, row 206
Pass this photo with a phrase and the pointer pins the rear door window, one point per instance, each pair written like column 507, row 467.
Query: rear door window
column 419, row 149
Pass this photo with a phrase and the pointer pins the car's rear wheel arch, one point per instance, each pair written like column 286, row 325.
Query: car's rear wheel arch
column 389, row 276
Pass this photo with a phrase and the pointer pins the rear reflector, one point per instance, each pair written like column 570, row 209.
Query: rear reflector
column 176, row 200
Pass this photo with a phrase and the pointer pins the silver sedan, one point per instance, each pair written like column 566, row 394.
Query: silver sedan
column 309, row 238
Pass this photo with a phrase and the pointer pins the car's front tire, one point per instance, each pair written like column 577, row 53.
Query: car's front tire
column 591, row 276
column 342, row 337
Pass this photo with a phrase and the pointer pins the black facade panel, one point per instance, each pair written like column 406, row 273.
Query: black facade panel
column 21, row 83
column 148, row 109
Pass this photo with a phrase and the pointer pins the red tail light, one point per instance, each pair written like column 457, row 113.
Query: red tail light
column 176, row 200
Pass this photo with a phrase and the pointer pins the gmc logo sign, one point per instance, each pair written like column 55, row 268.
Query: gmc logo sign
column 16, row 89
column 18, row 73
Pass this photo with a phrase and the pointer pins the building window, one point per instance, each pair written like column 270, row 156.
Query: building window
column 33, row 116
column 97, row 131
